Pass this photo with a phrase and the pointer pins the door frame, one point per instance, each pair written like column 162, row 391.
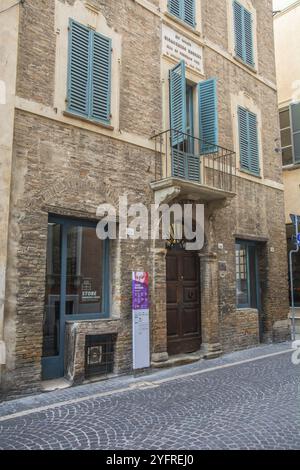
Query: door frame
column 182, row 252
column 54, row 366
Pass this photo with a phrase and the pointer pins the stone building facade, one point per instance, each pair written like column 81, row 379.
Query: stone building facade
column 58, row 165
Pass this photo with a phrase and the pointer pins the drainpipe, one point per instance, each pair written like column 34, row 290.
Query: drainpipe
column 292, row 252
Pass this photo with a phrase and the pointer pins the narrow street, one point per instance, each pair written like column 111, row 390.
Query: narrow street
column 245, row 400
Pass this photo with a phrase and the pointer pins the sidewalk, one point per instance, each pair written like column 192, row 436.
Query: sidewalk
column 121, row 384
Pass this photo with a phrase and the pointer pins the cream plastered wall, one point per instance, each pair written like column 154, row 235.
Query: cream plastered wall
column 287, row 53
column 245, row 101
column 291, row 179
column 89, row 16
column 231, row 33
column 9, row 30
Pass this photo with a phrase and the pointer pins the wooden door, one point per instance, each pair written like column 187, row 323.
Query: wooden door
column 183, row 302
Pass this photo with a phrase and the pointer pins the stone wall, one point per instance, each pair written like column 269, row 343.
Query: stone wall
column 65, row 169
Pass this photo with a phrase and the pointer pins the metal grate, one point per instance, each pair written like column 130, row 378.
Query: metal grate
column 99, row 355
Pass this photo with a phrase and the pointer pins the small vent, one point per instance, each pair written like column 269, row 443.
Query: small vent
column 99, row 355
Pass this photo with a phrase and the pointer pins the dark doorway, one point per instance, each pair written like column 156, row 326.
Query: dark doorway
column 183, row 302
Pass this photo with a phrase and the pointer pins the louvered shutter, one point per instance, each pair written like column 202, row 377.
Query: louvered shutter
column 178, row 103
column 243, row 135
column 239, row 29
column 208, row 115
column 79, row 60
column 248, row 134
column 253, row 144
column 193, row 167
column 175, row 7
column 248, row 37
column 189, row 12
column 101, row 78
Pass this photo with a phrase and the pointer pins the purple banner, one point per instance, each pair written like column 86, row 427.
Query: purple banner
column 140, row 291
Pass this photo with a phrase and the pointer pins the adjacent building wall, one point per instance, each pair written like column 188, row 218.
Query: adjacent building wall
column 9, row 30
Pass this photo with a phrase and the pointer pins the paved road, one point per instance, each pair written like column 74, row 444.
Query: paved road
column 253, row 404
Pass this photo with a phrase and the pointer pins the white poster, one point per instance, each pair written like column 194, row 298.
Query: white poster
column 179, row 47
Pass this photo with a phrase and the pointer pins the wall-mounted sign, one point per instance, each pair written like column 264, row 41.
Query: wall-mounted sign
column 179, row 47
column 140, row 320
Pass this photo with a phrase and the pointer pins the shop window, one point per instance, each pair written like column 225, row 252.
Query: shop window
column 246, row 275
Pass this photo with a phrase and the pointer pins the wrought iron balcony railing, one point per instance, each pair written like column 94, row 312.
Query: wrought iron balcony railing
column 181, row 155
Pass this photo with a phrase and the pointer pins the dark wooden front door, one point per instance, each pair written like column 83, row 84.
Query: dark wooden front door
column 183, row 302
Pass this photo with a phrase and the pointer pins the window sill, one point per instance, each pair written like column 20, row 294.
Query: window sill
column 91, row 320
column 250, row 173
column 250, row 67
column 291, row 166
column 182, row 23
column 246, row 309
column 90, row 121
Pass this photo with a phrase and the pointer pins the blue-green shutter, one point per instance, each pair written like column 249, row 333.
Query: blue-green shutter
column 248, row 136
column 248, row 34
column 208, row 115
column 243, row 136
column 89, row 74
column 175, row 7
column 243, row 29
column 189, row 12
column 253, row 143
column 79, row 68
column 238, row 29
column 101, row 78
column 178, row 102
column 183, row 9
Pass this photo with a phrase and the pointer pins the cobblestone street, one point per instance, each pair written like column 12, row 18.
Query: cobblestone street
column 246, row 400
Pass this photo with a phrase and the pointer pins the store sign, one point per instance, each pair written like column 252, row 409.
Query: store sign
column 140, row 320
column 179, row 47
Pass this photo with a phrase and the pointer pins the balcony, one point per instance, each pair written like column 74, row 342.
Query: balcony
column 190, row 168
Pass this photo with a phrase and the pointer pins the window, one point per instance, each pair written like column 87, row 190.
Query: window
column 185, row 155
column 77, row 270
column 290, row 134
column 184, row 10
column 248, row 137
column 246, row 275
column 243, row 29
column 89, row 73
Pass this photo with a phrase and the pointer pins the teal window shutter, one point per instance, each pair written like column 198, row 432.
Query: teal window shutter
column 189, row 12
column 238, row 29
column 79, row 65
column 101, row 78
column 184, row 10
column 243, row 135
column 253, row 144
column 248, row 33
column 208, row 115
column 175, row 7
column 178, row 102
column 248, row 136
column 243, row 31
column 89, row 74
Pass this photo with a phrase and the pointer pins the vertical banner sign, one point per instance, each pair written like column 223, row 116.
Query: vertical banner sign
column 140, row 320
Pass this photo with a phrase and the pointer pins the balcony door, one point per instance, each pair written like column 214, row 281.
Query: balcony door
column 76, row 286
column 185, row 161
